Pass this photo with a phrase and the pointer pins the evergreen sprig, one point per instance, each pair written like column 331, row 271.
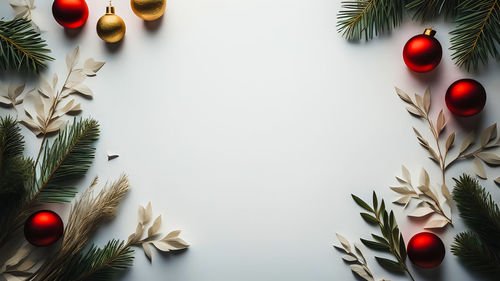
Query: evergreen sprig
column 368, row 18
column 478, row 248
column 68, row 158
column 21, row 47
column 426, row 10
column 477, row 35
column 391, row 241
column 99, row 263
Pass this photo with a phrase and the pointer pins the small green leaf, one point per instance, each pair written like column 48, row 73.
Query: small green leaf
column 375, row 201
column 390, row 265
column 402, row 247
column 382, row 207
column 375, row 245
column 369, row 218
column 361, row 203
column 380, row 239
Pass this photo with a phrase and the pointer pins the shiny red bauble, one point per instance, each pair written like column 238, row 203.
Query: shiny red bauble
column 70, row 13
column 465, row 97
column 43, row 228
column 423, row 52
column 426, row 250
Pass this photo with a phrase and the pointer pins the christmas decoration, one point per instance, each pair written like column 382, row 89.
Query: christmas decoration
column 111, row 27
column 148, row 10
column 479, row 247
column 356, row 261
column 465, row 97
column 422, row 52
column 473, row 41
column 43, row 228
column 426, row 250
column 70, row 13
column 21, row 47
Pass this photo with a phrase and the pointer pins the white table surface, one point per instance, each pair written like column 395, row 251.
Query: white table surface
column 248, row 124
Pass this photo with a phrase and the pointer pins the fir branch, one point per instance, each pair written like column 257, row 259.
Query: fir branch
column 392, row 241
column 21, row 47
column 475, row 254
column 368, row 18
column 87, row 214
column 477, row 34
column 478, row 210
column 429, row 9
column 99, row 263
column 68, row 158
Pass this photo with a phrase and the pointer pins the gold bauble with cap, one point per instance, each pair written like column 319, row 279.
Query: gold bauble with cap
column 111, row 27
column 148, row 10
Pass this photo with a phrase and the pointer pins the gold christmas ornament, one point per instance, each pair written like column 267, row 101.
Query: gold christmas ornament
column 148, row 10
column 111, row 27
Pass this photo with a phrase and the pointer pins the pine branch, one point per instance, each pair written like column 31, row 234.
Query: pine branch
column 477, row 34
column 368, row 18
column 392, row 241
column 68, row 158
column 428, row 9
column 15, row 174
column 21, row 47
column 475, row 254
column 99, row 264
column 478, row 210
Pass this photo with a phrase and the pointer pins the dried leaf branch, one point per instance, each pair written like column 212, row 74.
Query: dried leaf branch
column 430, row 201
column 391, row 241
column 170, row 242
column 356, row 261
column 20, row 265
column 86, row 215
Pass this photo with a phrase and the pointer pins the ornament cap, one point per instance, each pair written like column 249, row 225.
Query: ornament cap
column 430, row 32
column 110, row 10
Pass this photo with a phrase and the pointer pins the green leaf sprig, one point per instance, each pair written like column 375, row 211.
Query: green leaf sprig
column 391, row 241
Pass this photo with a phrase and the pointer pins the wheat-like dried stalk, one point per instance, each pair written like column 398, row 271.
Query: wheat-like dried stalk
column 86, row 215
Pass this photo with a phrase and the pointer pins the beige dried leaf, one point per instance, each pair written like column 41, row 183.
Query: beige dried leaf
column 467, row 142
column 449, row 141
column 440, row 122
column 420, row 212
column 404, row 96
column 175, row 243
column 427, row 100
column 361, row 272
column 147, row 250
column 72, row 60
column 489, row 157
column 404, row 200
column 406, row 174
column 172, row 234
column 19, row 256
column 411, row 109
column 497, row 180
column 479, row 168
column 90, row 66
column 436, row 224
column 424, row 178
column 83, row 90
column 401, row 190
column 344, row 242
column 349, row 258
column 420, row 102
column 446, row 193
column 74, row 79
column 155, row 227
column 488, row 134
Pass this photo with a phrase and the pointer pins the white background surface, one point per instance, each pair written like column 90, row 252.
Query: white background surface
column 248, row 124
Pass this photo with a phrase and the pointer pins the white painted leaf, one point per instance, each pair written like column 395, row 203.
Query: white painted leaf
column 83, row 89
column 420, row 101
column 411, row 109
column 424, row 178
column 5, row 100
column 406, row 174
column 349, row 258
column 155, row 227
column 75, row 78
column 436, row 223
column 446, row 192
column 450, row 140
column 421, row 212
column 72, row 60
column 173, row 234
column 148, row 214
column 441, row 122
column 401, row 190
column 176, row 243
column 55, row 126
column 479, row 168
column 403, row 200
column 92, row 65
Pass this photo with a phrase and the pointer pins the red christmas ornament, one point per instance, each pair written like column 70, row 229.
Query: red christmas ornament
column 43, row 228
column 423, row 52
column 70, row 13
column 426, row 250
column 465, row 97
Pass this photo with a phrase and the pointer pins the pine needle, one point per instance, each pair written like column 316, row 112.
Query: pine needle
column 68, row 158
column 475, row 254
column 21, row 47
column 426, row 10
column 368, row 18
column 477, row 36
